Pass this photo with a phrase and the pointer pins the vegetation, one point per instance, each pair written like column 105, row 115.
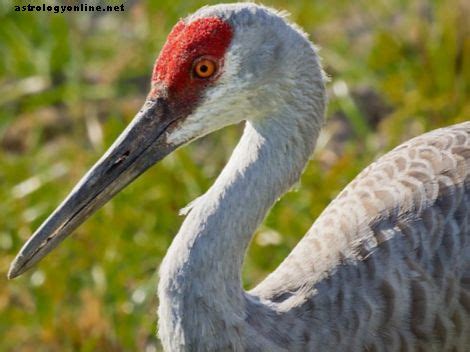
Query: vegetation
column 69, row 83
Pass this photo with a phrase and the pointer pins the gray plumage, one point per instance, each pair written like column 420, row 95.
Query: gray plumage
column 384, row 268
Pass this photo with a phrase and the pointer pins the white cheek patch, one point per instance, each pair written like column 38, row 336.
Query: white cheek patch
column 223, row 104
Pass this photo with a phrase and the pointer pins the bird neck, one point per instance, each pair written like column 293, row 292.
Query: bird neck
column 200, row 277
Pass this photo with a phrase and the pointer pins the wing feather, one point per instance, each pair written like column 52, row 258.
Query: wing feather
column 386, row 265
column 427, row 175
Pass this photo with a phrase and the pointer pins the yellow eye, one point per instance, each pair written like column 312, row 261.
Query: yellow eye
column 204, row 68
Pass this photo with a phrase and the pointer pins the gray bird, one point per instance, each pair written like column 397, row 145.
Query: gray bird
column 384, row 268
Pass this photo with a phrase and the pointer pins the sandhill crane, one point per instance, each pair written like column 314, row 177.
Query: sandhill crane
column 384, row 268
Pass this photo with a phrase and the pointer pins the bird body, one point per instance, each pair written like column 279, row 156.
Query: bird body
column 384, row 268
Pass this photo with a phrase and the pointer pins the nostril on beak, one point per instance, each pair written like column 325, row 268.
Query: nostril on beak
column 119, row 161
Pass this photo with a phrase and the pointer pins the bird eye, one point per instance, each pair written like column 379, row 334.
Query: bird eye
column 204, row 68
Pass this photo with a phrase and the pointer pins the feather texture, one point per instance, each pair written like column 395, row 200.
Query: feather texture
column 385, row 267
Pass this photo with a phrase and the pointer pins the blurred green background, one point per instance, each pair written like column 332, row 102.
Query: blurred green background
column 69, row 83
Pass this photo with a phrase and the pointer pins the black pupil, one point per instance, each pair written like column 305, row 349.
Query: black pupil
column 204, row 68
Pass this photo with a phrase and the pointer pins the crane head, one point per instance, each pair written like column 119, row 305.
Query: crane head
column 217, row 67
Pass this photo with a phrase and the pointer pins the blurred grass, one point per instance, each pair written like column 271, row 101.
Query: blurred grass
column 70, row 83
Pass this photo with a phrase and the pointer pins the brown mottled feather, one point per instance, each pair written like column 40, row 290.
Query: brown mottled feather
column 388, row 259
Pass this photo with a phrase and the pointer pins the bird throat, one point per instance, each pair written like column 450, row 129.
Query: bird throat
column 200, row 277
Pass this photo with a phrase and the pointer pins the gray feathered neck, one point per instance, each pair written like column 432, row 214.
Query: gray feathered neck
column 200, row 287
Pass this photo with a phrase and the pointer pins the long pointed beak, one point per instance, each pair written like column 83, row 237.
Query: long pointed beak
column 141, row 145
